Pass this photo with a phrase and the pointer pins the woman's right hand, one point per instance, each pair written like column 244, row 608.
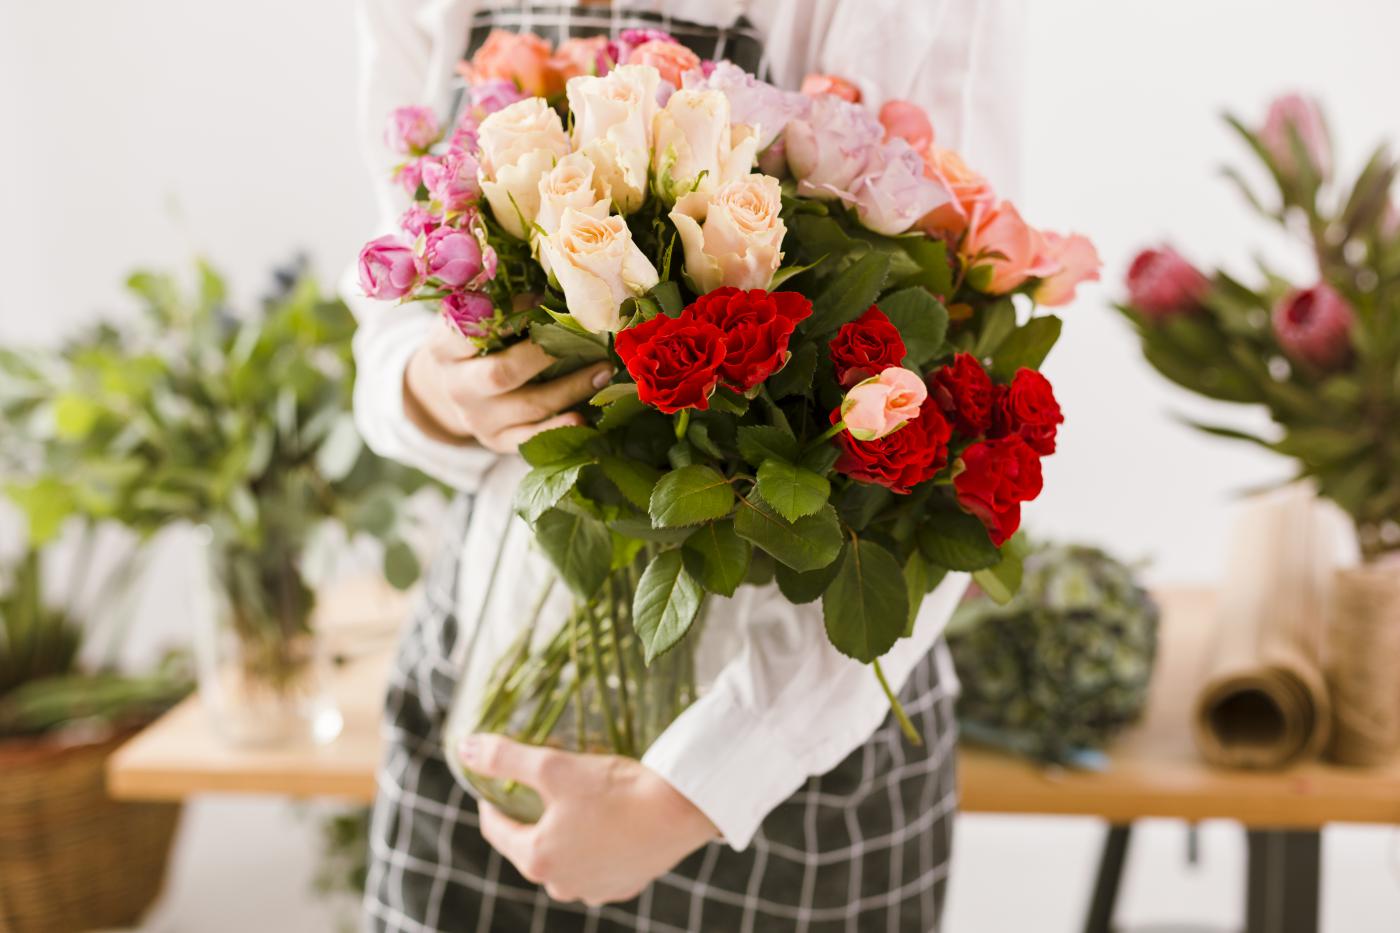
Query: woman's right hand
column 455, row 395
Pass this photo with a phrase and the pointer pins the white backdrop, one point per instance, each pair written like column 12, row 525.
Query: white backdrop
column 146, row 131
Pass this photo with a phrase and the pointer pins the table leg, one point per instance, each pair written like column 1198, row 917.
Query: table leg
column 1285, row 868
column 1105, row 898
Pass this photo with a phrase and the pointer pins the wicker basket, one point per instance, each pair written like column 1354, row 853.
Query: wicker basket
column 71, row 858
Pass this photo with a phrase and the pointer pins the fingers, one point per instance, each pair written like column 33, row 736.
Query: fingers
column 508, row 441
column 448, row 345
column 564, row 392
column 504, row 372
column 495, row 756
column 516, row 841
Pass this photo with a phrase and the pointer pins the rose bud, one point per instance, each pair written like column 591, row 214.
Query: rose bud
column 820, row 85
column 1305, row 117
column 883, row 404
column 907, row 121
column 1162, row 284
column 466, row 310
column 452, row 181
column 418, row 220
column 388, row 268
column 452, row 257
column 412, row 130
column 1313, row 326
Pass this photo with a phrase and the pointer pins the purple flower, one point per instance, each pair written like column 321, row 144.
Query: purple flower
column 388, row 268
column 452, row 181
column 412, row 130
column 451, row 256
column 828, row 150
column 752, row 101
column 466, row 311
column 1313, row 326
column 893, row 192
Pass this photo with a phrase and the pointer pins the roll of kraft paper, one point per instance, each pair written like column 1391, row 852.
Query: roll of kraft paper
column 1264, row 701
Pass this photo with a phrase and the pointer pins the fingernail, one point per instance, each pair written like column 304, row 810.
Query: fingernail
column 468, row 749
column 602, row 377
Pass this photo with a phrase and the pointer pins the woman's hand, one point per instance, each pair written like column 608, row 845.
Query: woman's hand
column 454, row 395
column 610, row 827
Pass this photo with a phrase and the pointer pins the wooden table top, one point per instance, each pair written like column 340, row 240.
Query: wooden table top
column 1154, row 768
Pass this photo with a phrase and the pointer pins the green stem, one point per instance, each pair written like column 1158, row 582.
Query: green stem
column 910, row 732
column 622, row 695
column 775, row 413
column 580, row 700
column 602, row 678
column 682, row 422
column 825, row 436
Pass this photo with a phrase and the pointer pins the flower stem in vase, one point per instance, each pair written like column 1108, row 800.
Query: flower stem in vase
column 580, row 692
column 896, row 707
column 623, row 698
column 593, row 643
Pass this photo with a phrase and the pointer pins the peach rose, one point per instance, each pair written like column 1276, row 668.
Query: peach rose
column 820, row 85
column 1076, row 261
column 1001, row 230
column 576, row 57
column 597, row 266
column 671, row 59
column 968, row 190
column 883, row 404
column 733, row 236
column 907, row 121
column 519, row 57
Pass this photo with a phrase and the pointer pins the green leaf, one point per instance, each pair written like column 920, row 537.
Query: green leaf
column 618, row 413
column 641, row 528
column 858, row 503
column 1026, row 346
column 557, row 445
column 848, row 295
column 689, row 496
column 74, row 416
column 805, row 587
column 922, row 321
column 795, row 378
column 821, row 236
column 565, row 343
column 1000, row 582
column 760, row 442
column 998, row 320
column 792, row 491
column 822, row 458
column 609, row 394
column 668, row 297
column 954, row 539
column 811, row 542
column 717, row 557
column 579, row 546
column 920, row 577
column 336, row 456
column 787, row 272
column 401, row 567
column 867, row 605
column 666, row 603
column 544, row 486
column 634, row 479
column 931, row 256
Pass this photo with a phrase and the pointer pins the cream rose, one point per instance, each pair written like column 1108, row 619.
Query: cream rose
column 612, row 126
column 695, row 148
column 569, row 184
column 598, row 267
column 519, row 144
column 733, row 236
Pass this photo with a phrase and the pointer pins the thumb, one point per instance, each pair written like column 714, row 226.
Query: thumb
column 495, row 756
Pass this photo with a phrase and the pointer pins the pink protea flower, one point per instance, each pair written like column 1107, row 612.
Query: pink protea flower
column 1304, row 115
column 1313, row 326
column 1162, row 284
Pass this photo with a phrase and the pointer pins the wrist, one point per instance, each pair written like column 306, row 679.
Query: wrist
column 688, row 821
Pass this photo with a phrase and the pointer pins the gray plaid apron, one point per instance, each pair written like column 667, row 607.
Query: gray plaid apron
column 864, row 847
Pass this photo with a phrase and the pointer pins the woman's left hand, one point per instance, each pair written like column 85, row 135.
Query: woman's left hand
column 611, row 825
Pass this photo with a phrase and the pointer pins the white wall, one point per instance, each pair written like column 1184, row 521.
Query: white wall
column 145, row 131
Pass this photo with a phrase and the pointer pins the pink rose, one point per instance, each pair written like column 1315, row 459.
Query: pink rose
column 418, row 219
column 883, row 404
column 908, row 122
column 1021, row 248
column 412, row 130
column 968, row 191
column 829, row 147
column 1305, row 117
column 498, row 94
column 452, row 180
column 452, row 256
column 1075, row 260
column 892, row 192
column 619, row 50
column 388, row 268
column 520, row 57
column 409, row 175
column 1161, row 284
column 1313, row 326
column 466, row 310
column 820, row 85
column 463, row 138
column 578, row 56
column 753, row 102
column 671, row 59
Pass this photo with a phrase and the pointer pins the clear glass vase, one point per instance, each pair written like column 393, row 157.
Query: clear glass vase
column 262, row 671
column 550, row 669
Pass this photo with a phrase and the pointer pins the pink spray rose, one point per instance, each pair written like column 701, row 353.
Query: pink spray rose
column 883, row 404
column 412, row 130
column 409, row 175
column 753, row 102
column 578, row 56
column 1161, row 283
column 463, row 138
column 388, row 268
column 466, row 311
column 452, row 256
column 1076, row 261
column 820, row 85
column 418, row 219
column 493, row 95
column 829, row 147
column 452, row 180
column 1313, row 326
column 1305, row 117
column 671, row 59
column 1001, row 230
column 619, row 50
column 519, row 57
column 907, row 121
column 892, row 192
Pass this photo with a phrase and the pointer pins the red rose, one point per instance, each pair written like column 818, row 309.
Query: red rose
column 756, row 326
column 998, row 476
column 900, row 461
column 865, row 347
column 1027, row 407
column 674, row 361
column 965, row 393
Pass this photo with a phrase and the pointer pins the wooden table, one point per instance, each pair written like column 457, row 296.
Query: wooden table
column 1154, row 770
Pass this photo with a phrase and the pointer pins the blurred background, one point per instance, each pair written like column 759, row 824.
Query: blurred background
column 148, row 132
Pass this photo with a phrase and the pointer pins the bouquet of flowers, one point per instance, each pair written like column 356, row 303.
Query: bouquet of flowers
column 1323, row 359
column 822, row 373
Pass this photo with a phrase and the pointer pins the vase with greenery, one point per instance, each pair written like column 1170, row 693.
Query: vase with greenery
column 191, row 414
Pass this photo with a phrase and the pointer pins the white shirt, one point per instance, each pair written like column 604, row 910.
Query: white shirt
column 784, row 705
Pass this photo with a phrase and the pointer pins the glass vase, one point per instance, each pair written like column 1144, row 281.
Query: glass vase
column 551, row 669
